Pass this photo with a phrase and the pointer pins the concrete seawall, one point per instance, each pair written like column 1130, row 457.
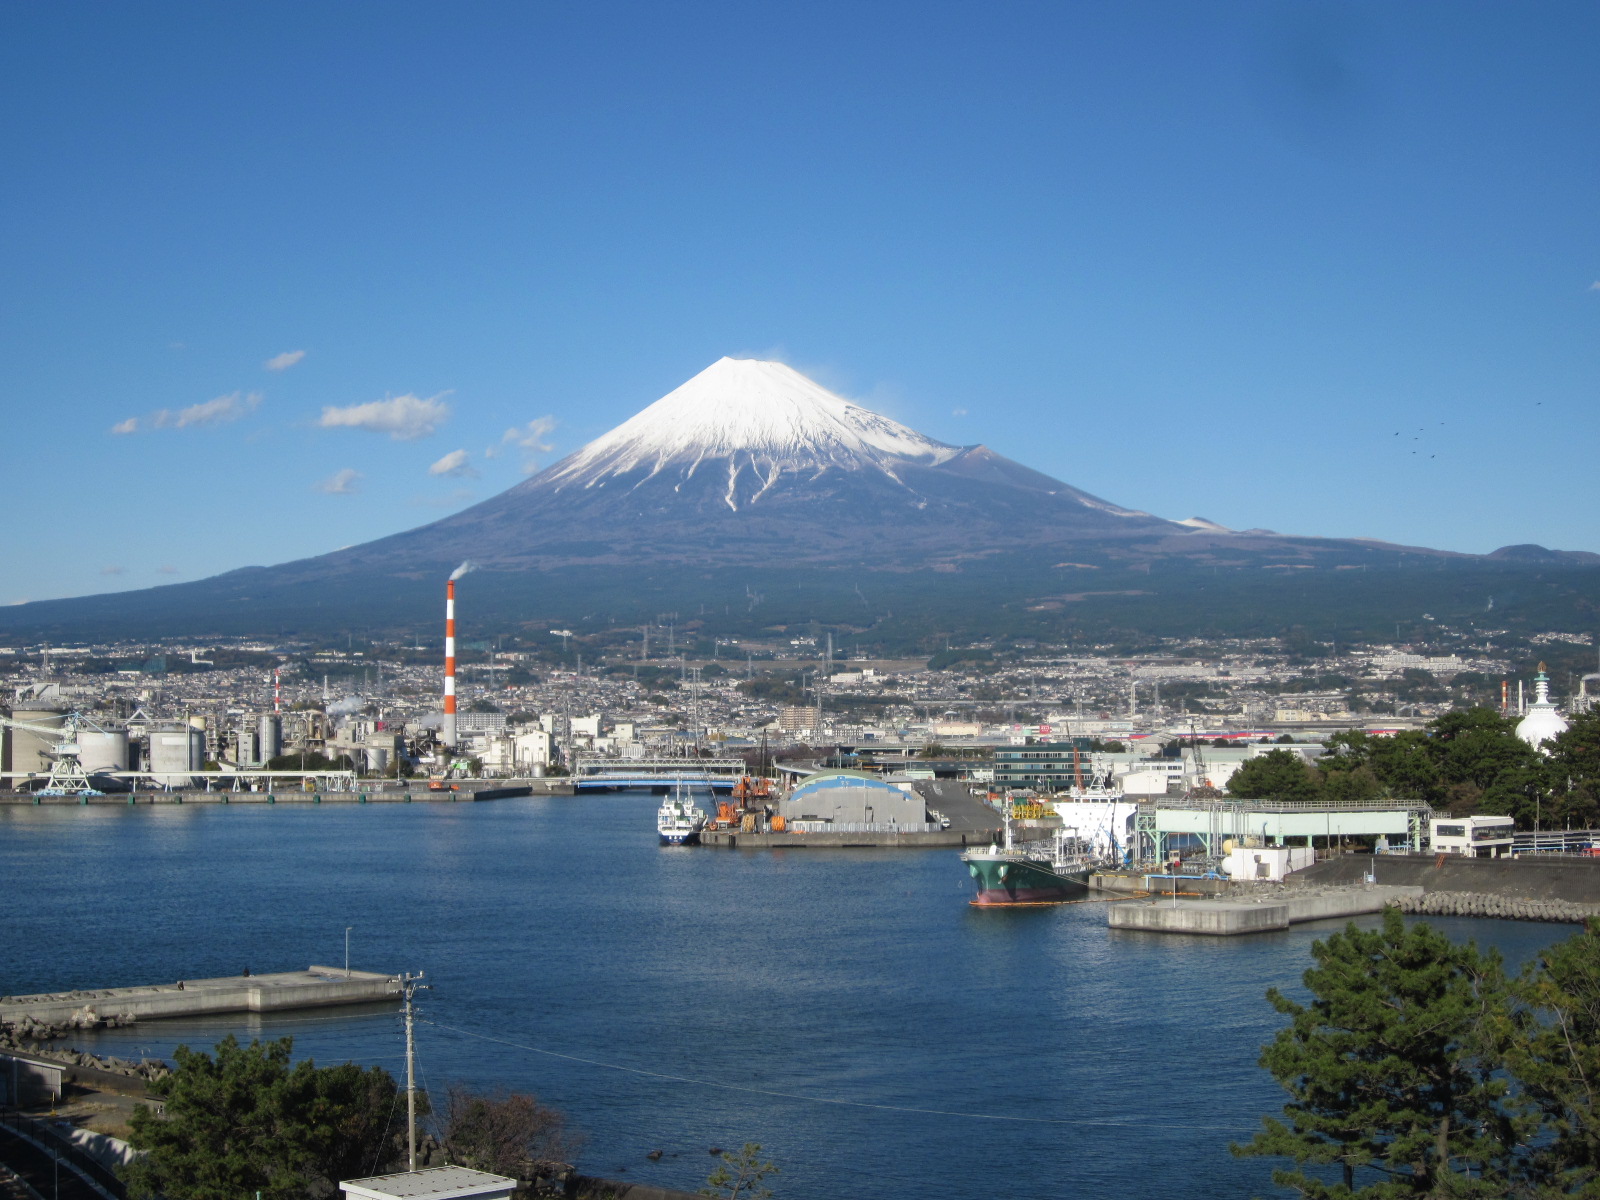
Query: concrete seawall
column 943, row 838
column 1224, row 918
column 315, row 987
column 1574, row 880
column 417, row 795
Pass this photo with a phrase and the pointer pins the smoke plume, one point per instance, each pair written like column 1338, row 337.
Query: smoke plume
column 460, row 571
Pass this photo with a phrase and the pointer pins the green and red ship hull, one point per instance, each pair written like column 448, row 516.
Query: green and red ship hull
column 1004, row 878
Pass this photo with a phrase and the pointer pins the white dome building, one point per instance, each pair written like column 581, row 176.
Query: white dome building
column 1543, row 722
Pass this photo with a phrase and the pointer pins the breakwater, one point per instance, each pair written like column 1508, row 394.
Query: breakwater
column 1509, row 908
column 86, row 1008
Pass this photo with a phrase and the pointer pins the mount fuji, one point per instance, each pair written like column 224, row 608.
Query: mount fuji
column 752, row 481
column 749, row 463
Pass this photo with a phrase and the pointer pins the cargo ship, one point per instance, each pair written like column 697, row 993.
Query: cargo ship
column 1048, row 871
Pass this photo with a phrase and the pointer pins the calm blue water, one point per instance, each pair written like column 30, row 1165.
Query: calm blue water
column 558, row 923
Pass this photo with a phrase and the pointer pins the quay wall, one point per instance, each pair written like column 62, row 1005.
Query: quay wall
column 1542, row 877
column 938, row 839
column 1227, row 918
column 419, row 795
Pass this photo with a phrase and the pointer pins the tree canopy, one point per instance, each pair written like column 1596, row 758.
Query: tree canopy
column 1388, row 1069
column 248, row 1120
column 1468, row 761
column 1419, row 1069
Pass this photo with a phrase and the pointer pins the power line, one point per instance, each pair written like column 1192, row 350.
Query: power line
column 1115, row 1122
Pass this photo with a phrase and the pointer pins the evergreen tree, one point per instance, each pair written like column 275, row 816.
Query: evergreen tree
column 1574, row 768
column 1275, row 775
column 1556, row 1061
column 247, row 1121
column 1390, row 1070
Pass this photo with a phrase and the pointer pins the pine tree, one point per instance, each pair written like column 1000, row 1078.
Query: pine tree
column 247, row 1121
column 1390, row 1070
column 1556, row 1061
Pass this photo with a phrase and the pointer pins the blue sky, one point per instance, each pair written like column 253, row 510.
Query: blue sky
column 1327, row 269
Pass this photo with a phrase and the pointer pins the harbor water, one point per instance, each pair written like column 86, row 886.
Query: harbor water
column 847, row 1009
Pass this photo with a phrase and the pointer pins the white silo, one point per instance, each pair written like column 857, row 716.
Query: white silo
column 30, row 747
column 174, row 752
column 103, row 750
column 271, row 736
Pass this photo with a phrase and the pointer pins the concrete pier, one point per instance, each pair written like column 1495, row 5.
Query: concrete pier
column 941, row 838
column 375, row 794
column 1224, row 918
column 315, row 987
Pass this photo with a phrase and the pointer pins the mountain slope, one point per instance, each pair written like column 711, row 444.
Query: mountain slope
column 747, row 471
column 751, row 461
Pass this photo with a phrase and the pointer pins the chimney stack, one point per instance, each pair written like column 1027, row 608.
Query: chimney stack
column 449, row 731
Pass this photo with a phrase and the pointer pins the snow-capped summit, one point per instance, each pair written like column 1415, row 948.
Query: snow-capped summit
column 751, row 419
column 751, row 463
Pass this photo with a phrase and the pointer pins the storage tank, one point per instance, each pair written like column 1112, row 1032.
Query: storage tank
column 28, row 746
column 175, row 751
column 103, row 750
column 271, row 736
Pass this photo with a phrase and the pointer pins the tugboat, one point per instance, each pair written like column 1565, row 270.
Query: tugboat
column 1041, row 872
column 680, row 820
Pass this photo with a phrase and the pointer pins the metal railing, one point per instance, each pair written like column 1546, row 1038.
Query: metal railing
column 1286, row 806
column 49, row 1139
column 1556, row 841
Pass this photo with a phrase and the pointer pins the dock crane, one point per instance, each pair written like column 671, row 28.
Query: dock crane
column 67, row 776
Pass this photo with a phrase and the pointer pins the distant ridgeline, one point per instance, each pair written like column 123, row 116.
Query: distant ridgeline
column 1005, row 595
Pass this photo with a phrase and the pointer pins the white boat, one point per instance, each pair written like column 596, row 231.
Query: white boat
column 1098, row 810
column 680, row 819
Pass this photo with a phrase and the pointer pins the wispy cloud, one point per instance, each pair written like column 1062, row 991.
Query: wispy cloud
column 457, row 464
column 341, row 483
column 166, row 569
column 113, row 570
column 218, row 411
column 404, row 418
column 1595, row 286
column 282, row 362
column 532, row 439
column 958, row 412
column 208, row 412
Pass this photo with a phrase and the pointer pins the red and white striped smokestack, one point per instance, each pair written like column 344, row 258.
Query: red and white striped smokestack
column 449, row 733
column 277, row 689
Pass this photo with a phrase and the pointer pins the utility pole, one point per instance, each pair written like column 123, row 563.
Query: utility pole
column 411, row 984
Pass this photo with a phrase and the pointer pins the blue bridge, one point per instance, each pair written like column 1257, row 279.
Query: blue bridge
column 713, row 774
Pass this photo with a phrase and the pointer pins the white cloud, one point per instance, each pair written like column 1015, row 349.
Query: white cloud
column 131, row 425
column 113, row 570
column 208, row 412
column 958, row 412
column 532, row 439
column 341, row 483
column 455, row 463
column 404, row 418
column 282, row 362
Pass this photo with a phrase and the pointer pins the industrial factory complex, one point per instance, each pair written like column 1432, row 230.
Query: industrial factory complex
column 852, row 745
